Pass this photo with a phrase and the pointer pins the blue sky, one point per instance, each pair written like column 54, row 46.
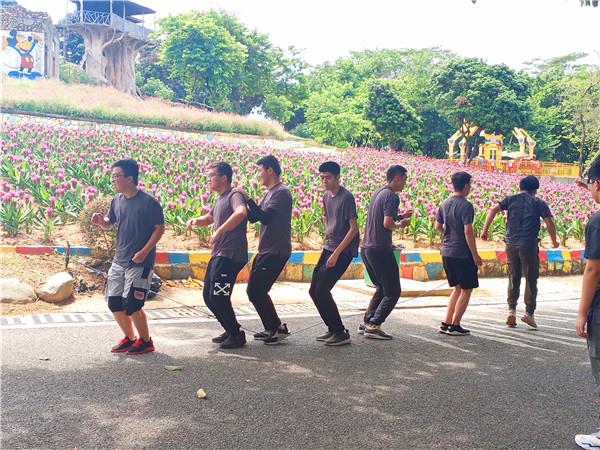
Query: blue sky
column 500, row 31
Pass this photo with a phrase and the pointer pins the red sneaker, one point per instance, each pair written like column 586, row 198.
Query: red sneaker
column 123, row 345
column 141, row 346
column 511, row 321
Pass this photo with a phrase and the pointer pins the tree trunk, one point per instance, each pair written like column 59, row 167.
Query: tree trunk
column 582, row 145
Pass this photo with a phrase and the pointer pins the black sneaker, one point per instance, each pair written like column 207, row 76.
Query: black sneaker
column 277, row 336
column 444, row 328
column 457, row 330
column 338, row 338
column 220, row 338
column 234, row 341
column 324, row 336
column 376, row 332
column 141, row 346
column 123, row 345
column 361, row 328
column 261, row 335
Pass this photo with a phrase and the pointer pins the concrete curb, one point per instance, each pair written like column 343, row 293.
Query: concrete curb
column 424, row 265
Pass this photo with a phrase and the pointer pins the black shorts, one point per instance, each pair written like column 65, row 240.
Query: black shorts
column 461, row 272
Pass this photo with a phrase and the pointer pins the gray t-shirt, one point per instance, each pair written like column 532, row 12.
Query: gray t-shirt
column 592, row 248
column 523, row 223
column 384, row 202
column 135, row 218
column 339, row 210
column 234, row 243
column 454, row 213
column 276, row 237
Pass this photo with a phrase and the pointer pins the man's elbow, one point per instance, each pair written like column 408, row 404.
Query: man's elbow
column 592, row 268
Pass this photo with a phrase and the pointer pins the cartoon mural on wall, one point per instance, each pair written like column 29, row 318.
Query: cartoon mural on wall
column 22, row 54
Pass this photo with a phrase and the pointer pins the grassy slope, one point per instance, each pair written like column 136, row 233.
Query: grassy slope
column 107, row 104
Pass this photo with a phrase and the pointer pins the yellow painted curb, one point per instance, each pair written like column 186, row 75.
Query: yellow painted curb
column 431, row 257
column 311, row 257
column 199, row 257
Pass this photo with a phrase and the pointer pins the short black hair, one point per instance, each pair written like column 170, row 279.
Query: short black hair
column 530, row 183
column 460, row 180
column 223, row 168
column 130, row 168
column 270, row 162
column 394, row 171
column 593, row 172
column 330, row 166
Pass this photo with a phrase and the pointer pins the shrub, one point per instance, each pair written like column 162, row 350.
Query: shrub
column 156, row 88
column 72, row 73
column 101, row 241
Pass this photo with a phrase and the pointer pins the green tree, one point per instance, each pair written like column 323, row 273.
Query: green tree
column 203, row 55
column 394, row 119
column 470, row 92
column 72, row 48
column 336, row 118
column 255, row 78
column 285, row 100
column 582, row 92
column 554, row 122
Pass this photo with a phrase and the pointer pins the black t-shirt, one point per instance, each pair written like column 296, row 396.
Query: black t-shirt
column 384, row 202
column 339, row 209
column 592, row 248
column 136, row 218
column 276, row 237
column 234, row 243
column 454, row 213
column 523, row 223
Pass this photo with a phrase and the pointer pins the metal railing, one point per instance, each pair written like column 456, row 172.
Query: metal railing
column 108, row 19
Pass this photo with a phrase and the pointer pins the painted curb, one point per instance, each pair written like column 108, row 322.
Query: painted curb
column 423, row 265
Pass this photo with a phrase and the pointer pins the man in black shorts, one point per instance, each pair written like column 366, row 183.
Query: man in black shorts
column 378, row 253
column 140, row 225
column 229, row 252
column 522, row 251
column 274, row 247
column 459, row 251
column 341, row 245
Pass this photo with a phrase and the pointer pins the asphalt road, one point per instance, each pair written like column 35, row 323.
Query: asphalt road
column 498, row 388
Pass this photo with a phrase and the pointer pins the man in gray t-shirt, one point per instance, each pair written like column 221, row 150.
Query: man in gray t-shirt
column 140, row 225
column 341, row 245
column 459, row 251
column 588, row 314
column 274, row 247
column 229, row 252
column 378, row 253
column 525, row 210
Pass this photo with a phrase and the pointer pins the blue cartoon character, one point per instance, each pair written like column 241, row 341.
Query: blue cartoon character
column 23, row 59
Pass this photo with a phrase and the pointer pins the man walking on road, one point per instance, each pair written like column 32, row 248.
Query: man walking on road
column 459, row 252
column 588, row 318
column 522, row 250
column 341, row 245
column 140, row 225
column 229, row 252
column 378, row 253
column 274, row 247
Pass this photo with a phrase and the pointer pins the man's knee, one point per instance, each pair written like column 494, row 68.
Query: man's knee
column 313, row 291
column 116, row 304
column 255, row 290
column 394, row 294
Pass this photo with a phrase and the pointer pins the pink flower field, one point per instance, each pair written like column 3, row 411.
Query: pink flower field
column 50, row 174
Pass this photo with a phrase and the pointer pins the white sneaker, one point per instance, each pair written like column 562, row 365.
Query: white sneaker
column 589, row 441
